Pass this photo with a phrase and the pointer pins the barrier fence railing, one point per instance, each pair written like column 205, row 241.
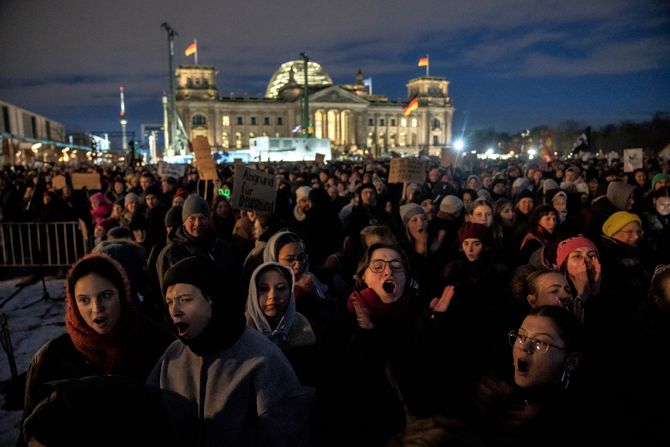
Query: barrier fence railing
column 36, row 246
column 41, row 244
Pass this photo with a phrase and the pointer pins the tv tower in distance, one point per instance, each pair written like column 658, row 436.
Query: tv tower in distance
column 124, row 139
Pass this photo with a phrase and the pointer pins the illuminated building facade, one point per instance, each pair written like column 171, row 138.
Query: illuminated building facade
column 348, row 115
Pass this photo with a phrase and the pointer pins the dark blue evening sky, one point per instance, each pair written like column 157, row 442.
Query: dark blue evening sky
column 511, row 64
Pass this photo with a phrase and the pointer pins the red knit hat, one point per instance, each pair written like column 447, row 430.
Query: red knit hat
column 474, row 231
column 567, row 246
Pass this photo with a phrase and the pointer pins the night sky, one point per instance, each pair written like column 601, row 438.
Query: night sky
column 512, row 64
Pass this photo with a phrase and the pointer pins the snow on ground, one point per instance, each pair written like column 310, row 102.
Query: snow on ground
column 32, row 320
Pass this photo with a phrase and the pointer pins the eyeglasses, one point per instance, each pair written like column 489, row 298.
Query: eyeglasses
column 535, row 345
column 378, row 265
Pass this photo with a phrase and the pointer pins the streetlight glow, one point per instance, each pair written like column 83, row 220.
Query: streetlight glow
column 459, row 145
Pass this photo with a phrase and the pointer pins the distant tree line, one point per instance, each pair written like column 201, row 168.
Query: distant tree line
column 652, row 136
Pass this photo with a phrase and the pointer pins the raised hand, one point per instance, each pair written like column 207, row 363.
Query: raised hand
column 362, row 315
column 441, row 304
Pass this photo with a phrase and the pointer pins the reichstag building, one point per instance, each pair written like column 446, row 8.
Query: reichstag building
column 349, row 115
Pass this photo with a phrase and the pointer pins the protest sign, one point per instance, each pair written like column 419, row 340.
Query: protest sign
column 88, row 180
column 632, row 159
column 203, row 158
column 407, row 170
column 253, row 190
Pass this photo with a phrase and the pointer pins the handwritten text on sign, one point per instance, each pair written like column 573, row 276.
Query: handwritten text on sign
column 409, row 170
column 253, row 190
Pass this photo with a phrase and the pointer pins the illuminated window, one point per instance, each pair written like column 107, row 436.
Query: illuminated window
column 238, row 140
column 403, row 139
column 199, row 121
column 225, row 140
column 225, row 120
column 251, row 135
column 403, row 122
column 414, row 122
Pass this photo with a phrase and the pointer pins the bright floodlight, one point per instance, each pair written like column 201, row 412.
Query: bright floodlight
column 532, row 152
column 36, row 146
column 459, row 145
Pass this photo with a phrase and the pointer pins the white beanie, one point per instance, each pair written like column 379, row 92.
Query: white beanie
column 302, row 192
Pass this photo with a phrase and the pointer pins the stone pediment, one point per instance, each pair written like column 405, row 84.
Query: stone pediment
column 336, row 95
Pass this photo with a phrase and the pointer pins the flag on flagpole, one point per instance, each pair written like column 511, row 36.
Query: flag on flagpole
column 412, row 106
column 583, row 143
column 423, row 62
column 191, row 49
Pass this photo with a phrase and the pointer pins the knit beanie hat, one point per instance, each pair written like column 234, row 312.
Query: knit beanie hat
column 473, row 230
column 197, row 271
column 409, row 210
column 182, row 192
column 194, row 204
column 153, row 190
column 658, row 177
column 98, row 197
column 549, row 184
column 524, row 194
column 618, row 192
column 131, row 197
column 567, row 246
column 368, row 185
column 451, row 205
column 619, row 220
column 551, row 194
column 138, row 222
column 173, row 217
column 302, row 192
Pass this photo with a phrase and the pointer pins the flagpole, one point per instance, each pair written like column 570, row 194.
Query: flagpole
column 196, row 51
column 428, row 65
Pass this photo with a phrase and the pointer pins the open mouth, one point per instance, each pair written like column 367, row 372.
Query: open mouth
column 389, row 287
column 522, row 366
column 99, row 321
column 182, row 328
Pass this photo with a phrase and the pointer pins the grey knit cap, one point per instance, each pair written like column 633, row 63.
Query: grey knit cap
column 194, row 204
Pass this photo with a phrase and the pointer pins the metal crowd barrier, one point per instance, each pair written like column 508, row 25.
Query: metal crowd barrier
column 41, row 244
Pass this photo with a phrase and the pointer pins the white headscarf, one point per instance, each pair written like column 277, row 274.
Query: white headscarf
column 279, row 335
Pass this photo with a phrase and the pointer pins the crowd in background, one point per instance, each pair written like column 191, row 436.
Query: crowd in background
column 509, row 303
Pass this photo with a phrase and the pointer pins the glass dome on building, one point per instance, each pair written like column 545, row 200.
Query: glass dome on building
column 316, row 75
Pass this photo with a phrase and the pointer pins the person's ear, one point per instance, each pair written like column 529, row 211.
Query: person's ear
column 532, row 299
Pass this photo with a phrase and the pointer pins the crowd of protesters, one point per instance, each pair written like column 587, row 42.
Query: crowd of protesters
column 506, row 303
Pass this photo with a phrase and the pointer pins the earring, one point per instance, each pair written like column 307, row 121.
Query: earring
column 565, row 379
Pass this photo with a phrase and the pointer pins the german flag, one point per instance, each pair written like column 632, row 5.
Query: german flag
column 423, row 62
column 191, row 49
column 412, row 106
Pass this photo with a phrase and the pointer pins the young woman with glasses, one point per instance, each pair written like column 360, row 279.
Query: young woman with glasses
column 370, row 363
column 542, row 404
